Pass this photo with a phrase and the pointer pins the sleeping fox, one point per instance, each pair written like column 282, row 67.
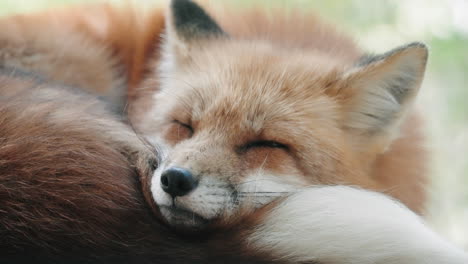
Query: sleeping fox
column 243, row 98
column 250, row 107
column 70, row 192
column 248, row 112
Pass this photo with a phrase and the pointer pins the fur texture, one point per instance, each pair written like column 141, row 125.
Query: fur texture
column 70, row 192
column 254, row 115
column 96, row 212
column 70, row 184
column 124, row 43
column 346, row 225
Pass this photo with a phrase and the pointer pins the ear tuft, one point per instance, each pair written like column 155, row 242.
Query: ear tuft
column 380, row 88
column 190, row 21
column 188, row 27
column 369, row 59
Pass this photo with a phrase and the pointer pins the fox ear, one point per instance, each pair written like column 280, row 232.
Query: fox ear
column 187, row 26
column 379, row 90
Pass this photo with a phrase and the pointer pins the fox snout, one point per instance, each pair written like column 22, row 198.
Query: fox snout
column 178, row 181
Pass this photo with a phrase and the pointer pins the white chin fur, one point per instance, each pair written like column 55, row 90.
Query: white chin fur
column 339, row 224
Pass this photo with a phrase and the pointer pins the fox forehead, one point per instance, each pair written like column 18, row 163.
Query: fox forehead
column 250, row 88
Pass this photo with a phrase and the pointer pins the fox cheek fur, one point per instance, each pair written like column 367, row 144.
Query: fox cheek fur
column 233, row 108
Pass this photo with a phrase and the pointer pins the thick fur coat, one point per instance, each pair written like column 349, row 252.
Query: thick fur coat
column 77, row 183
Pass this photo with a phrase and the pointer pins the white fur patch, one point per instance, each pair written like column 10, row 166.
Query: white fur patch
column 262, row 187
column 159, row 196
column 348, row 225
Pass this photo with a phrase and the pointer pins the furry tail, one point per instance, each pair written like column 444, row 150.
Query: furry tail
column 347, row 225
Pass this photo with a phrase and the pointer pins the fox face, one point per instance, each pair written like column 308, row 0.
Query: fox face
column 240, row 123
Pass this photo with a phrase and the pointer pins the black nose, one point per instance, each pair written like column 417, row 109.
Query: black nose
column 178, row 181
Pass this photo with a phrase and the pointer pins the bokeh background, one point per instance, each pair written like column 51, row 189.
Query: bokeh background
column 380, row 25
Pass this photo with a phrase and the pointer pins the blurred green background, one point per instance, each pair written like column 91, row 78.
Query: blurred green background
column 380, row 25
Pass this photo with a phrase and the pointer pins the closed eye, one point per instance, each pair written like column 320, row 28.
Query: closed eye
column 184, row 125
column 264, row 144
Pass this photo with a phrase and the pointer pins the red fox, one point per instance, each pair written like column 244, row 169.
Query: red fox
column 250, row 116
column 250, row 107
column 314, row 83
column 70, row 174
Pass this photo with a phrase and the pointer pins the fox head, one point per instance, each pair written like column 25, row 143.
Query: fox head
column 240, row 122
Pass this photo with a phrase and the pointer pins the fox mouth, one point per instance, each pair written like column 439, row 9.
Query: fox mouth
column 183, row 220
